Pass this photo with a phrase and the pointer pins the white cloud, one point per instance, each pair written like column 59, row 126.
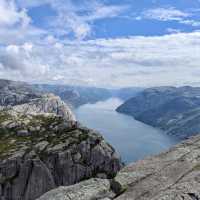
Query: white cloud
column 76, row 18
column 136, row 61
column 165, row 14
column 10, row 15
column 191, row 22
column 32, row 54
column 170, row 14
column 173, row 30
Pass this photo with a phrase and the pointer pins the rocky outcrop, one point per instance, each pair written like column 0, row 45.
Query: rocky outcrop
column 13, row 93
column 90, row 189
column 43, row 147
column 33, row 161
column 45, row 104
column 174, row 110
column 172, row 175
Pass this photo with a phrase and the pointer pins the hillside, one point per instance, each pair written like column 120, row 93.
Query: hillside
column 175, row 110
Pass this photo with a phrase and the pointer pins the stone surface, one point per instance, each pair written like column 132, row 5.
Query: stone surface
column 172, row 175
column 90, row 190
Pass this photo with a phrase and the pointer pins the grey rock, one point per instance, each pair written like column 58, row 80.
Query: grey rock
column 34, row 163
column 172, row 175
column 14, row 93
column 23, row 133
column 41, row 145
column 46, row 104
column 87, row 190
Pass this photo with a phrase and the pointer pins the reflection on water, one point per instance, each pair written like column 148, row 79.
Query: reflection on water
column 132, row 139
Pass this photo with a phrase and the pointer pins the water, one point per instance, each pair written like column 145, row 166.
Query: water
column 132, row 139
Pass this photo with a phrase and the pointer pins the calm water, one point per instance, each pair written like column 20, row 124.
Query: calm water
column 132, row 139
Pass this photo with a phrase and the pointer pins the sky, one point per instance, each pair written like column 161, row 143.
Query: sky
column 101, row 43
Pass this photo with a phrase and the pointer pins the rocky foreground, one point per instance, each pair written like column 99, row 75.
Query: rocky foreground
column 173, row 175
column 43, row 147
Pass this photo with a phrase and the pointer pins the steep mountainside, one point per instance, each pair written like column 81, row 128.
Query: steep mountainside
column 76, row 95
column 43, row 147
column 126, row 93
column 79, row 95
column 175, row 110
column 172, row 175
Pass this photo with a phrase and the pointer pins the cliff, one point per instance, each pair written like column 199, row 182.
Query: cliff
column 172, row 175
column 43, row 147
column 174, row 110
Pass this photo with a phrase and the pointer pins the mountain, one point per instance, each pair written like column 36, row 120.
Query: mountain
column 126, row 93
column 175, row 110
column 80, row 95
column 12, row 92
column 42, row 146
column 76, row 95
column 172, row 175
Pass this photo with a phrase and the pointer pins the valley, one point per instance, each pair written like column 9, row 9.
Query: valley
column 134, row 140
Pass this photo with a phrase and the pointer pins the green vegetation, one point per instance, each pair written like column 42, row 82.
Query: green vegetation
column 50, row 128
column 4, row 116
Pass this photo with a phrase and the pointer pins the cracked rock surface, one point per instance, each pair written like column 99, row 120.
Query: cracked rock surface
column 172, row 175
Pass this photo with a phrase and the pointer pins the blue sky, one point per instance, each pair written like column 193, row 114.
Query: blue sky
column 127, row 18
column 125, row 42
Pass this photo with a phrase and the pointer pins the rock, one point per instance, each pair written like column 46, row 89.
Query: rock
column 172, row 175
column 14, row 93
column 36, row 162
column 44, row 105
column 23, row 133
column 87, row 190
column 41, row 145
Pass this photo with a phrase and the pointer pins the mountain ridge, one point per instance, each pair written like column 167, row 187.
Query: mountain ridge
column 168, row 108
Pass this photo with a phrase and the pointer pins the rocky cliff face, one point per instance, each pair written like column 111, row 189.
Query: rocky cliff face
column 43, row 147
column 12, row 93
column 175, row 110
column 172, row 175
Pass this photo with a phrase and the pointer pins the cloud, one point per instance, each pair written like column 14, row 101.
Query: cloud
column 22, row 60
column 76, row 18
column 16, row 25
column 135, row 61
column 34, row 54
column 165, row 14
column 10, row 15
column 170, row 14
column 173, row 30
column 79, row 19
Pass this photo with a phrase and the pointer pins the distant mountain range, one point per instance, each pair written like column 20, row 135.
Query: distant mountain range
column 75, row 96
column 79, row 95
column 175, row 110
